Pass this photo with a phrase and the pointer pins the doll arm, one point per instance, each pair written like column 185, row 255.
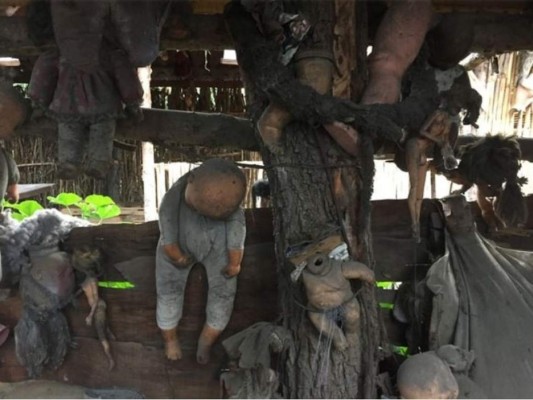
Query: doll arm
column 169, row 221
column 235, row 235
column 13, row 178
column 357, row 270
column 13, row 175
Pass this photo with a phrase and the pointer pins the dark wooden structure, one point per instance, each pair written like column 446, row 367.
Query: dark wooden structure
column 138, row 349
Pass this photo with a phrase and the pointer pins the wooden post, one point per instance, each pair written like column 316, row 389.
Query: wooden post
column 148, row 174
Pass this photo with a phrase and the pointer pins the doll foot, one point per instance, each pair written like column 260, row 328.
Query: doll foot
column 172, row 345
column 207, row 338
column 68, row 170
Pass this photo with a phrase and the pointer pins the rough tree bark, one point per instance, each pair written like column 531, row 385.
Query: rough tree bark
column 306, row 207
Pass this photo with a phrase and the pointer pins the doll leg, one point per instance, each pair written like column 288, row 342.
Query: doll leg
column 101, row 148
column 220, row 297
column 329, row 329
column 170, row 287
column 352, row 321
column 71, row 140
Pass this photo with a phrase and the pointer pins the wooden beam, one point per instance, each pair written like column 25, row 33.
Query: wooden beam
column 493, row 31
column 206, row 32
column 218, row 76
column 172, row 127
column 200, row 129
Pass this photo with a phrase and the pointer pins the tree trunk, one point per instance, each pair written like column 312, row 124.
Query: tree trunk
column 302, row 176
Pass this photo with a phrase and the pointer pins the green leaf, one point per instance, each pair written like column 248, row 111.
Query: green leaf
column 401, row 350
column 116, row 284
column 88, row 211
column 108, row 211
column 98, row 200
column 386, row 306
column 65, row 199
column 387, row 285
column 14, row 206
column 17, row 216
column 28, row 207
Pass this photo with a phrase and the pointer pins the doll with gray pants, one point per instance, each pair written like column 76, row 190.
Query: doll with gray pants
column 206, row 241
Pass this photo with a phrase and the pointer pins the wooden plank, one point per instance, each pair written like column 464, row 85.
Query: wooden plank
column 138, row 367
column 28, row 190
column 138, row 351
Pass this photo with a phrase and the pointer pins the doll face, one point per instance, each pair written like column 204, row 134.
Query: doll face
column 318, row 264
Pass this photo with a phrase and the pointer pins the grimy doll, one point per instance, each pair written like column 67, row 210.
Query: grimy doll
column 87, row 77
column 200, row 221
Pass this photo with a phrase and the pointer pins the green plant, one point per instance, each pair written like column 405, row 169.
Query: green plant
column 24, row 209
column 93, row 207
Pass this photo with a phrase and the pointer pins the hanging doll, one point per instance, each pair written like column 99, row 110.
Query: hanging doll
column 91, row 79
column 200, row 221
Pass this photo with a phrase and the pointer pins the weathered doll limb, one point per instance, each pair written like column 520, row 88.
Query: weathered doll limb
column 13, row 193
column 329, row 329
column 398, row 41
column 170, row 287
column 314, row 71
column 395, row 48
column 71, row 139
column 102, row 330
column 235, row 236
column 177, row 256
column 220, row 298
column 234, row 263
column 487, row 209
column 345, row 136
column 100, row 149
column 207, row 338
column 422, row 172
column 90, row 288
column 172, row 344
column 437, row 128
column 352, row 323
column 417, row 168
column 271, row 124
column 357, row 270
